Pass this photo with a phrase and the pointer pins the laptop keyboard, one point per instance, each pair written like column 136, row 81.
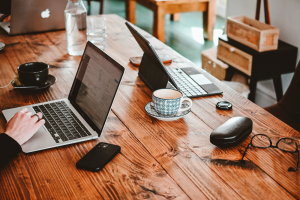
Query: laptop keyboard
column 186, row 84
column 61, row 122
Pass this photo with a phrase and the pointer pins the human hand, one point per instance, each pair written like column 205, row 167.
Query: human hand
column 23, row 125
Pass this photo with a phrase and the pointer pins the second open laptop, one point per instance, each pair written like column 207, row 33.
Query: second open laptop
column 190, row 81
column 30, row 16
column 83, row 114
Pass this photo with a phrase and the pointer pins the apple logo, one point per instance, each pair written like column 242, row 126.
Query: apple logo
column 45, row 13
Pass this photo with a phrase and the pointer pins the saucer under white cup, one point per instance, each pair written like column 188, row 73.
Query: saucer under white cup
column 2, row 45
column 153, row 113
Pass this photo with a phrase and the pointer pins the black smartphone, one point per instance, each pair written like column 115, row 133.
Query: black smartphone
column 98, row 157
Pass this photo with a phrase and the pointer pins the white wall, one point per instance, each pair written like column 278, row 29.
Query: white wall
column 221, row 8
column 285, row 15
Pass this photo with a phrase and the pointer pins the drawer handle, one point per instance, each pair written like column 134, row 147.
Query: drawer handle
column 231, row 49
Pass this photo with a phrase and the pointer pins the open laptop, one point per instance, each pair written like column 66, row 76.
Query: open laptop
column 152, row 71
column 29, row 16
column 83, row 114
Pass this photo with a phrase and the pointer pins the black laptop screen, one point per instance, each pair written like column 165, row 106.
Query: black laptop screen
column 95, row 86
column 152, row 71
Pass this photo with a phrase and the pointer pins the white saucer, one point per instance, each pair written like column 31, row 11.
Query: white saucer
column 152, row 112
column 2, row 45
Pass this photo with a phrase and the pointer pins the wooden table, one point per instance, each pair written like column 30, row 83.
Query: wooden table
column 159, row 160
column 162, row 7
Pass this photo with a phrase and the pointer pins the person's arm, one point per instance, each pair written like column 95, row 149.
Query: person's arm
column 9, row 148
column 18, row 130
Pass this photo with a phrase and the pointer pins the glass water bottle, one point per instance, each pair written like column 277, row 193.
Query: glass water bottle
column 75, row 21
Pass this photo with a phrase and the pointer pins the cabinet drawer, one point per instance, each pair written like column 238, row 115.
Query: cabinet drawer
column 235, row 57
column 213, row 65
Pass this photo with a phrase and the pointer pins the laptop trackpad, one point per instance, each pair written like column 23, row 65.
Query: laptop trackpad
column 40, row 140
column 201, row 79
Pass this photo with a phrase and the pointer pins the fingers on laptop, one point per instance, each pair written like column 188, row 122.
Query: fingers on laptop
column 40, row 123
column 24, row 110
column 29, row 114
column 37, row 118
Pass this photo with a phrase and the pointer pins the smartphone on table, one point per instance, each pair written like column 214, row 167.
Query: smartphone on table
column 98, row 157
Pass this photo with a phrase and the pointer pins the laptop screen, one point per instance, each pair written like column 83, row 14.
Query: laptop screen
column 95, row 86
column 152, row 71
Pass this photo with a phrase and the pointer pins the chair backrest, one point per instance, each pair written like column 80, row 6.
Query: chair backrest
column 290, row 102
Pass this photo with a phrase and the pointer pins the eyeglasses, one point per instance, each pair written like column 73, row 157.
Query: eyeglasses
column 284, row 144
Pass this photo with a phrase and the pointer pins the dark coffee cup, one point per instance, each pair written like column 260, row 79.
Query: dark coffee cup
column 33, row 74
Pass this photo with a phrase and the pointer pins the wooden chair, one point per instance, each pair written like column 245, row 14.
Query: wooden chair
column 101, row 5
column 162, row 7
column 288, row 108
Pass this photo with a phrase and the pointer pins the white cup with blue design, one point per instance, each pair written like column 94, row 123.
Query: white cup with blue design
column 169, row 101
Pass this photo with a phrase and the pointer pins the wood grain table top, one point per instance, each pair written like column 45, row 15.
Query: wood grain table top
column 158, row 160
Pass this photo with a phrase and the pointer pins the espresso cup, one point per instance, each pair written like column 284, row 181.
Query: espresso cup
column 168, row 101
column 33, row 74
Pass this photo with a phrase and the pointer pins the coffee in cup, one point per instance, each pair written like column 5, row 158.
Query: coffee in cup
column 169, row 101
column 33, row 74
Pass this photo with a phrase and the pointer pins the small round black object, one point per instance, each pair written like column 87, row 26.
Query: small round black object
column 224, row 105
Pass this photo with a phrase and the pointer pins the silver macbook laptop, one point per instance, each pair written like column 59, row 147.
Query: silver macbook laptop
column 83, row 114
column 29, row 16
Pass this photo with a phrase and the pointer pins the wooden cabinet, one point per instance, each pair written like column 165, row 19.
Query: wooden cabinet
column 258, row 65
